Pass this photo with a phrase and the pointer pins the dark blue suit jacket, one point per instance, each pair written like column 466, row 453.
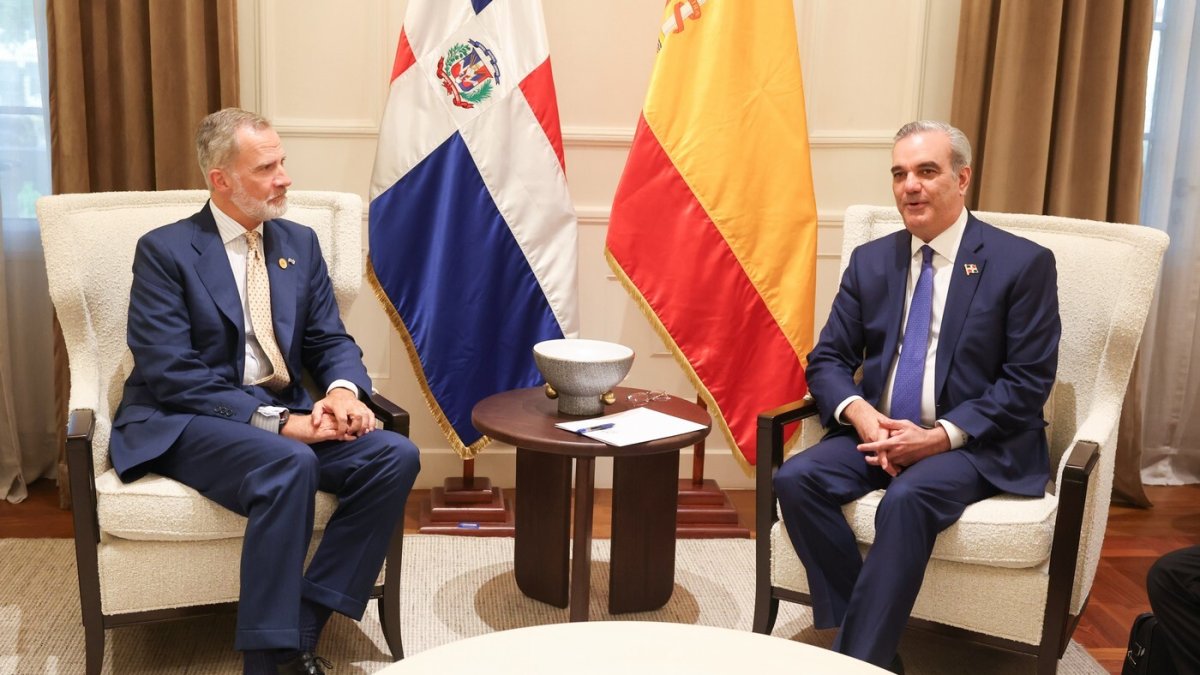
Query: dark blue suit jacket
column 187, row 334
column 997, row 352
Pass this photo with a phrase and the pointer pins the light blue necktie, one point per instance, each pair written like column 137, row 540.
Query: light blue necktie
column 910, row 371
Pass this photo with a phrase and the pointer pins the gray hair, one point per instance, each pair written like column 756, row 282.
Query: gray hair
column 216, row 137
column 960, row 147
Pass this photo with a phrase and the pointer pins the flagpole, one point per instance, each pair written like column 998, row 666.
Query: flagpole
column 698, row 455
column 704, row 510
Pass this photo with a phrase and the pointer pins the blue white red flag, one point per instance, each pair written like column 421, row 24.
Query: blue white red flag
column 472, row 233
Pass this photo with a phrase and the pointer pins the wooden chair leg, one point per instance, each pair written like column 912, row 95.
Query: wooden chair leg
column 81, row 425
column 1046, row 665
column 93, row 636
column 766, row 608
column 389, row 602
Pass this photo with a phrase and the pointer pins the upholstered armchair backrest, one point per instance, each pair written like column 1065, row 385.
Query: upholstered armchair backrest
column 89, row 242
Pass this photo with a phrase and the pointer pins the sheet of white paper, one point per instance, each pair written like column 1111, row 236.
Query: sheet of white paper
column 637, row 425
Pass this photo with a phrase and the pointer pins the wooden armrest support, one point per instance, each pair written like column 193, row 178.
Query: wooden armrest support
column 1081, row 461
column 786, row 414
column 81, row 425
column 1064, row 552
column 393, row 417
column 770, row 457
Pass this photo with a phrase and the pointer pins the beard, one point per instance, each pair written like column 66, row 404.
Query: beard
column 258, row 210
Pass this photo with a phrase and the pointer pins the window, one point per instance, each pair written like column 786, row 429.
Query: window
column 24, row 120
column 1152, row 79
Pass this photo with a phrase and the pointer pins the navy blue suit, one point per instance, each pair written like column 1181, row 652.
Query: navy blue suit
column 995, row 364
column 185, row 414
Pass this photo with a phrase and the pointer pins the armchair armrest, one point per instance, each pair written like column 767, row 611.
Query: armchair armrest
column 391, row 416
column 1081, row 461
column 770, row 457
column 81, row 425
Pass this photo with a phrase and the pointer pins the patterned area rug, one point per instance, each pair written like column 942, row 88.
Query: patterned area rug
column 454, row 587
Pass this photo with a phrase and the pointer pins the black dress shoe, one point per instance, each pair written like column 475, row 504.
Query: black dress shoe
column 305, row 663
column 896, row 666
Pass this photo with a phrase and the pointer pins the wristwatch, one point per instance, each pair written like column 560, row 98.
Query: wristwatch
column 283, row 418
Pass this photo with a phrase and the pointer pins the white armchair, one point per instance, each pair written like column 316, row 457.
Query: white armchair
column 1014, row 572
column 155, row 549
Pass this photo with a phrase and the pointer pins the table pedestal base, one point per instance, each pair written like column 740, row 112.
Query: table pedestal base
column 642, row 567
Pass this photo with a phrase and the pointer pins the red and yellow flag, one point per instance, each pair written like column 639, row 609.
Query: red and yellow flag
column 714, row 224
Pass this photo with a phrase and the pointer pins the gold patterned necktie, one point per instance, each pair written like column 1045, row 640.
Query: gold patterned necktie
column 258, row 295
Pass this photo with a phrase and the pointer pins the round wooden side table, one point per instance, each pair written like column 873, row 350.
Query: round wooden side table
column 645, row 486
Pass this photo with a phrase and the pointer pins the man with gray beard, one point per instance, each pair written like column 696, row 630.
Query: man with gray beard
column 228, row 309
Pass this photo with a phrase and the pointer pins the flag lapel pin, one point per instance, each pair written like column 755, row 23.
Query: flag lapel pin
column 970, row 268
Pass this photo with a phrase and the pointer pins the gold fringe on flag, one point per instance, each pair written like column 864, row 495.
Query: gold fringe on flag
column 464, row 451
column 636, row 295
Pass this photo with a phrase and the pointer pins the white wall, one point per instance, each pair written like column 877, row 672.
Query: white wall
column 319, row 69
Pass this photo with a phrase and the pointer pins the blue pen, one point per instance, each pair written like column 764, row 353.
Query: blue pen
column 598, row 427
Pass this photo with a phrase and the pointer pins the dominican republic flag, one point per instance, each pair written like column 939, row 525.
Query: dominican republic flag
column 472, row 232
column 719, row 176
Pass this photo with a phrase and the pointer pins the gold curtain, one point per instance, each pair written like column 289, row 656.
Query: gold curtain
column 1053, row 94
column 129, row 82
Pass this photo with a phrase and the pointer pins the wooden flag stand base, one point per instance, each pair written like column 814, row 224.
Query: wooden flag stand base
column 704, row 511
column 467, row 506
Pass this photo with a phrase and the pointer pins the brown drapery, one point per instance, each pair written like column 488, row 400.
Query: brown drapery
column 129, row 82
column 1053, row 95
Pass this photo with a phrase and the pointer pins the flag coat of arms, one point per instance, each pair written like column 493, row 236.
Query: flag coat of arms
column 472, row 233
column 713, row 226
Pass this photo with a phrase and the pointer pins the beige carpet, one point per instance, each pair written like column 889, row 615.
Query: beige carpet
column 453, row 588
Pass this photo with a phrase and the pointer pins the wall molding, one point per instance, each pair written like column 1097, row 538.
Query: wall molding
column 266, row 86
column 839, row 139
column 249, row 65
column 597, row 136
column 593, row 215
column 926, row 22
column 622, row 137
column 301, row 128
column 599, row 215
column 498, row 462
column 579, row 137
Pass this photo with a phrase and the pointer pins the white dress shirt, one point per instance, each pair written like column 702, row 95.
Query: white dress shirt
column 945, row 249
column 258, row 366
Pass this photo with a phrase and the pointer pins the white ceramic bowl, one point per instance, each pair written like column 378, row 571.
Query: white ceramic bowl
column 582, row 371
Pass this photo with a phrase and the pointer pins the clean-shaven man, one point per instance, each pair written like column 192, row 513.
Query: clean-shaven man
column 955, row 325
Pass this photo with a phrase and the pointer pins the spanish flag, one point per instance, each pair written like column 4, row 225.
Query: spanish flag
column 714, row 223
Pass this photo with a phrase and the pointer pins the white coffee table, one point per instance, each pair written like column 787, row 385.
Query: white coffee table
column 626, row 648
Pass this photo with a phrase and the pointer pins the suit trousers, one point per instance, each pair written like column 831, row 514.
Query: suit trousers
column 1173, row 585
column 272, row 481
column 869, row 599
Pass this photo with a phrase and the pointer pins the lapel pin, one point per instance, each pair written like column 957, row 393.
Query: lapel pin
column 283, row 263
column 970, row 269
column 291, row 261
